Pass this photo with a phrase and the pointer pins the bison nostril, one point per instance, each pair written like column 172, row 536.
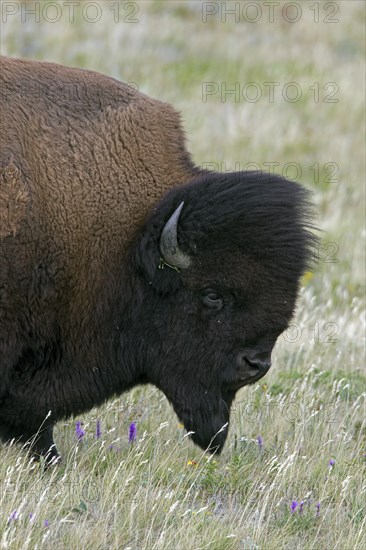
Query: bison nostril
column 257, row 366
column 252, row 365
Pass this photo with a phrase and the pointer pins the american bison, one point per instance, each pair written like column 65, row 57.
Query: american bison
column 123, row 263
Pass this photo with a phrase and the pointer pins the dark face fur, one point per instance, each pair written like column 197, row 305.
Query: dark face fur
column 208, row 330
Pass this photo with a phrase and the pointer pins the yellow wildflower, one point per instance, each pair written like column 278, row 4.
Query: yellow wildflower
column 307, row 277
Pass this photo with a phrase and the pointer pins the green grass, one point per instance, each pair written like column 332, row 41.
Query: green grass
column 162, row 492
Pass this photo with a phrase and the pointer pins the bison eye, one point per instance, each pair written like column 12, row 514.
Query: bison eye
column 211, row 299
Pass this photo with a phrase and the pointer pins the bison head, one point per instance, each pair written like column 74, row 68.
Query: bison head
column 218, row 262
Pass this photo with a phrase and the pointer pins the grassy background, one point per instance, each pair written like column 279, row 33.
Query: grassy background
column 161, row 491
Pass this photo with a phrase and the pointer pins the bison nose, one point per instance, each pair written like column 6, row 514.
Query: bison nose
column 256, row 366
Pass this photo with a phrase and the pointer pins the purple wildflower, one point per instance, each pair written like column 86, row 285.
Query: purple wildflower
column 31, row 515
column 98, row 430
column 79, row 432
column 260, row 442
column 46, row 523
column 13, row 515
column 294, row 505
column 331, row 463
column 317, row 506
column 301, row 506
column 132, row 433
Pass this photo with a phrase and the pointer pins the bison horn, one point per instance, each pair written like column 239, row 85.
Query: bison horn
column 170, row 251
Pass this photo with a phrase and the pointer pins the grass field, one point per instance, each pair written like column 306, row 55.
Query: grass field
column 252, row 88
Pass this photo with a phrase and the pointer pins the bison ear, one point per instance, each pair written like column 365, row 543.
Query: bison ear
column 163, row 279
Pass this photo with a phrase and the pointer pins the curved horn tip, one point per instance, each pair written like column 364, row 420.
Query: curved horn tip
column 170, row 251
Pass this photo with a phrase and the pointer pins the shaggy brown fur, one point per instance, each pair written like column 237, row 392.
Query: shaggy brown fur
column 95, row 154
column 14, row 199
